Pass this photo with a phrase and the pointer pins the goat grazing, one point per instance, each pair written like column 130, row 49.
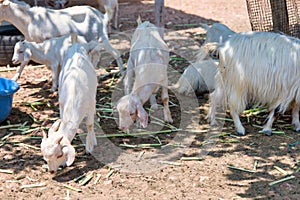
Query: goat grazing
column 198, row 76
column 38, row 23
column 147, row 68
column 51, row 53
column 77, row 99
column 111, row 7
column 258, row 67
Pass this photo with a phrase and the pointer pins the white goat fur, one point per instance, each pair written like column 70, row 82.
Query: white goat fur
column 147, row 71
column 38, row 23
column 198, row 76
column 111, row 7
column 51, row 53
column 218, row 32
column 259, row 67
column 77, row 99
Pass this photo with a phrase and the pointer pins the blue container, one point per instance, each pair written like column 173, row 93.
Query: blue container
column 7, row 89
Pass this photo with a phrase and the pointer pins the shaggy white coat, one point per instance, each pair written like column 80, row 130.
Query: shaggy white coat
column 259, row 67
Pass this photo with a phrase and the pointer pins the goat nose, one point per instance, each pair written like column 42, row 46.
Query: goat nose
column 52, row 172
column 122, row 128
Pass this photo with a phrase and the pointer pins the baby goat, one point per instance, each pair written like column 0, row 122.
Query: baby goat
column 147, row 72
column 77, row 99
column 51, row 53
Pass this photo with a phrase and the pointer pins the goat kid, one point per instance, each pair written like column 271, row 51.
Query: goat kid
column 147, row 72
column 51, row 52
column 77, row 100
column 198, row 76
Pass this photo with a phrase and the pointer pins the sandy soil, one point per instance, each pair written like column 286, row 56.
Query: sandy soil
column 150, row 166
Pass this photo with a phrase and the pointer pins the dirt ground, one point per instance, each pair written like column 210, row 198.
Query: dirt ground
column 184, row 160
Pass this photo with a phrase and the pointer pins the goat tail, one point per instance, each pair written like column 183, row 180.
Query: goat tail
column 204, row 26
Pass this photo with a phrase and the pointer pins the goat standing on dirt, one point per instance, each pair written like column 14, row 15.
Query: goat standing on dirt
column 38, row 23
column 147, row 72
column 258, row 67
column 77, row 100
column 51, row 52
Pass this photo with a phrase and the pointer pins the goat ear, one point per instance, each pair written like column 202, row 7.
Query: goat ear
column 142, row 115
column 69, row 153
column 44, row 134
column 59, row 139
column 55, row 126
column 139, row 20
column 27, row 54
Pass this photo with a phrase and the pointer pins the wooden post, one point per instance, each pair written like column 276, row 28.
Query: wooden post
column 280, row 16
column 159, row 16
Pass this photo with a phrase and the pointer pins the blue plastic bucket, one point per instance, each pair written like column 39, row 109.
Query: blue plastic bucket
column 7, row 89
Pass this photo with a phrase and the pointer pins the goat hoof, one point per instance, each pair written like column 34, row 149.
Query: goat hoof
column 297, row 130
column 240, row 133
column 169, row 120
column 154, row 107
column 267, row 132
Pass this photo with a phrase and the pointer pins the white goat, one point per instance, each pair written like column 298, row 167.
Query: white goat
column 111, row 7
column 259, row 67
column 198, row 76
column 77, row 99
column 217, row 33
column 147, row 67
column 51, row 53
column 38, row 24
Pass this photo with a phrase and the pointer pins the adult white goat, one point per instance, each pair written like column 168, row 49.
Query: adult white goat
column 38, row 24
column 111, row 7
column 259, row 67
column 147, row 71
column 77, row 99
column 51, row 52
